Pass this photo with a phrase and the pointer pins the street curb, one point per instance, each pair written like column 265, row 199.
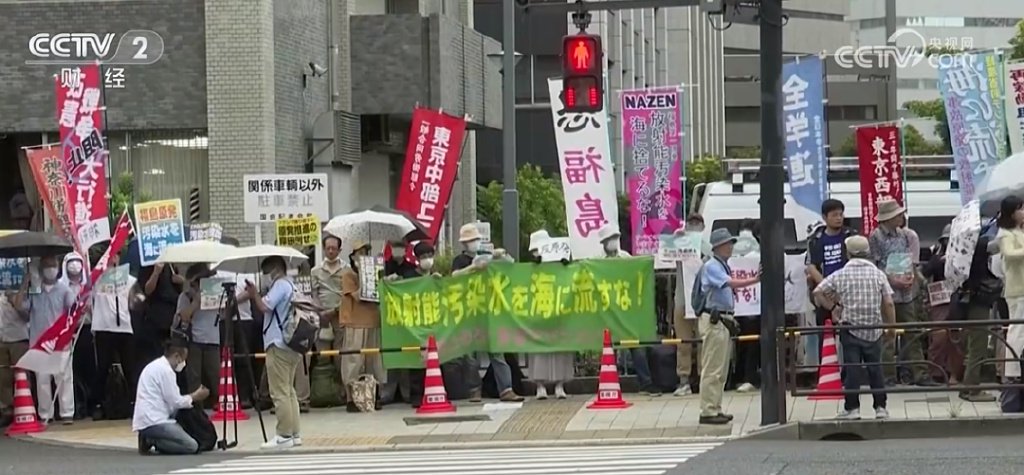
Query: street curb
column 870, row 429
column 415, row 447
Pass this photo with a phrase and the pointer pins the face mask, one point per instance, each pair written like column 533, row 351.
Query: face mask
column 427, row 263
column 75, row 267
column 398, row 253
column 180, row 366
column 50, row 273
column 611, row 246
column 473, row 246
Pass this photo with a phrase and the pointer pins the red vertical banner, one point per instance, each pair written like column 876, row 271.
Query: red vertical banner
column 431, row 166
column 881, row 171
column 51, row 180
column 80, row 117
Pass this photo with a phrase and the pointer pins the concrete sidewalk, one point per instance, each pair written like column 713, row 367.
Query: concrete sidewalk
column 568, row 422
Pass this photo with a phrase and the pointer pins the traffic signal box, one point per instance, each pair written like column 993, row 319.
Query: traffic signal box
column 582, row 73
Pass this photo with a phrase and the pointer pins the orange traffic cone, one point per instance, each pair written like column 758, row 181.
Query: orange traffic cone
column 228, row 407
column 829, row 380
column 25, row 420
column 609, row 393
column 435, row 397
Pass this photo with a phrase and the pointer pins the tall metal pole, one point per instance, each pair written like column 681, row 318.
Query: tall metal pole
column 509, row 195
column 890, row 29
column 772, row 177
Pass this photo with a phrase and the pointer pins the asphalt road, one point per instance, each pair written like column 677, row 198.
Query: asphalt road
column 975, row 456
column 33, row 458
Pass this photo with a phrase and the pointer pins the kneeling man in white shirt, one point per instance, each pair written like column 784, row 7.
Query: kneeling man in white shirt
column 158, row 399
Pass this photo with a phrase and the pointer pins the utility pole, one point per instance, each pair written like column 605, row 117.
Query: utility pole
column 509, row 194
column 891, row 86
column 773, row 302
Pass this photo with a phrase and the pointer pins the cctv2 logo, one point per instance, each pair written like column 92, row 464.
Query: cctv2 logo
column 135, row 47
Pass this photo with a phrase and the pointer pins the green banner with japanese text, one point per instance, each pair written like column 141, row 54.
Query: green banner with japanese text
column 519, row 308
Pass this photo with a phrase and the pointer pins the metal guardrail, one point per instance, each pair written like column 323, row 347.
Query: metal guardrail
column 993, row 328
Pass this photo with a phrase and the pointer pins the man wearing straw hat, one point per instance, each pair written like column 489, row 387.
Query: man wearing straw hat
column 716, row 324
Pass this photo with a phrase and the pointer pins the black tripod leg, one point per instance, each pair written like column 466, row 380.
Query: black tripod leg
column 254, row 393
column 223, row 443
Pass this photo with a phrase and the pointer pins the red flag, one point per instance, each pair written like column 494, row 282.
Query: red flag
column 881, row 171
column 50, row 177
column 52, row 351
column 431, row 166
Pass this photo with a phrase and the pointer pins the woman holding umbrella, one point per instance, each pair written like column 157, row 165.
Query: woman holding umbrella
column 1011, row 246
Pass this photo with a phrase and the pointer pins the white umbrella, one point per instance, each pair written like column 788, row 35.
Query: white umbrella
column 1004, row 179
column 246, row 260
column 195, row 252
column 378, row 222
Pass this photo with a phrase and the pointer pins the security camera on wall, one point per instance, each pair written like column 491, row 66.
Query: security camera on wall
column 316, row 70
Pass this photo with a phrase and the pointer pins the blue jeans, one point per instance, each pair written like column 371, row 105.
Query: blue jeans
column 640, row 367
column 170, row 439
column 857, row 351
column 502, row 371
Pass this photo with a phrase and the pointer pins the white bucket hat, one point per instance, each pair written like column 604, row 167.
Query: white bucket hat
column 537, row 239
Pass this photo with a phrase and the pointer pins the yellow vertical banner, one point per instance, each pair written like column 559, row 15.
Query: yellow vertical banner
column 298, row 232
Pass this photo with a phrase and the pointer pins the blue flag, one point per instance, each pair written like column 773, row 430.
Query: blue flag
column 803, row 125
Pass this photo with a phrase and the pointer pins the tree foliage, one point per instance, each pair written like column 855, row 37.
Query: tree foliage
column 122, row 197
column 933, row 109
column 704, row 169
column 541, row 206
column 1017, row 42
column 914, row 143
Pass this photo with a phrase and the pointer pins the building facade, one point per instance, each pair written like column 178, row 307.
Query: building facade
column 643, row 48
column 855, row 94
column 260, row 86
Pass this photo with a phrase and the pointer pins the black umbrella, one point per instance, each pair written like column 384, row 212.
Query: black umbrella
column 33, row 244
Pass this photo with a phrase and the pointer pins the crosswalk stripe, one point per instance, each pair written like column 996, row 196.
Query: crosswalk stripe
column 594, row 460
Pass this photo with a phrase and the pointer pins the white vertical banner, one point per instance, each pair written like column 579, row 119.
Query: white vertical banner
column 588, row 180
column 1015, row 104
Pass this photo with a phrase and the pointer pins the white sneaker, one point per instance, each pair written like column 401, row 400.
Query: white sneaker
column 746, row 388
column 851, row 415
column 683, row 390
column 542, row 392
column 560, row 391
column 881, row 413
column 297, row 440
column 278, row 443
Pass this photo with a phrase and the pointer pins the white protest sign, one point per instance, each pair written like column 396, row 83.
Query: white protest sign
column 555, row 249
column 748, row 299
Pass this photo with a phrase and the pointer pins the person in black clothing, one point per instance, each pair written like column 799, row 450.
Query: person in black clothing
column 974, row 300
column 161, row 286
column 424, row 253
column 826, row 248
column 398, row 264
column 942, row 349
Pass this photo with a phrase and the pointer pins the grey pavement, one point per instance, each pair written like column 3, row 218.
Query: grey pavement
column 976, row 456
column 21, row 457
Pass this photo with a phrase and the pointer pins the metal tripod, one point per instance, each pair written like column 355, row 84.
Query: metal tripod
column 230, row 316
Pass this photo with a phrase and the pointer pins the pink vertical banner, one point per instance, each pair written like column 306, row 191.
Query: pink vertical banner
column 652, row 151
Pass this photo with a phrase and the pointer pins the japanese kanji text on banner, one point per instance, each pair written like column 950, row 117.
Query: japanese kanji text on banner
column 804, row 125
column 80, row 116
column 881, row 170
column 431, row 166
column 652, row 139
column 298, row 232
column 51, row 179
column 584, row 158
column 159, row 225
column 271, row 197
column 1015, row 104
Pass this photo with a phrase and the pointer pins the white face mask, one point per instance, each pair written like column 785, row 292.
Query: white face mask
column 50, row 273
column 473, row 246
column 180, row 366
column 398, row 253
column 427, row 263
column 75, row 268
column 611, row 246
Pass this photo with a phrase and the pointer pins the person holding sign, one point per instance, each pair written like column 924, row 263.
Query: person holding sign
column 112, row 325
column 715, row 305
column 943, row 349
column 360, row 328
column 201, row 326
column 893, row 250
column 548, row 367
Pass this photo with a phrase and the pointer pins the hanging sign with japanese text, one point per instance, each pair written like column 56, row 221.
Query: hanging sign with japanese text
column 80, row 117
column 652, row 150
column 970, row 86
column 113, row 281
column 520, row 308
column 51, row 180
column 881, row 171
column 158, row 225
column 588, row 182
column 371, row 270
column 1014, row 80
column 268, row 198
column 12, row 273
column 803, row 113
column 298, row 232
column 431, row 166
column 205, row 232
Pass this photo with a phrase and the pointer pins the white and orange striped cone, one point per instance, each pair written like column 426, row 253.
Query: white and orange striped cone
column 435, row 397
column 829, row 379
column 609, row 392
column 228, row 406
column 25, row 420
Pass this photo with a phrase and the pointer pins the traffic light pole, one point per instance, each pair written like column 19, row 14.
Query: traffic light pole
column 510, row 193
column 773, row 302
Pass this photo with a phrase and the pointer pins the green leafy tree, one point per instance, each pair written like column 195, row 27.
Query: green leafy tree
column 123, row 196
column 1017, row 42
column 541, row 205
column 705, row 169
column 744, row 152
column 913, row 144
column 933, row 109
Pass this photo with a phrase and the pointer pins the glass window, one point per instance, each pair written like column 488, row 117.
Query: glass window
column 164, row 164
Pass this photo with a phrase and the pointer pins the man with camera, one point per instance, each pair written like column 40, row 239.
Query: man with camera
column 715, row 305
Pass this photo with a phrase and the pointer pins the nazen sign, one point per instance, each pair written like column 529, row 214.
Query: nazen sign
column 650, row 101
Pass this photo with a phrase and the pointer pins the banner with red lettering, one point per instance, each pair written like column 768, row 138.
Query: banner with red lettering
column 52, row 352
column 431, row 166
column 80, row 116
column 881, row 171
column 51, row 180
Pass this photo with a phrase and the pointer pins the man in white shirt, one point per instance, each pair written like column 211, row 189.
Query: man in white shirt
column 112, row 328
column 157, row 401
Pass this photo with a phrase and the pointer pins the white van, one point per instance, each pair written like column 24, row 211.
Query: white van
column 933, row 197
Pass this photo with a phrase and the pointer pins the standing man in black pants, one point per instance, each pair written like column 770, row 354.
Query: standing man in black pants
column 161, row 286
column 112, row 328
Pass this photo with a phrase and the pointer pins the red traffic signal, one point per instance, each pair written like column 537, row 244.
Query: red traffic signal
column 582, row 73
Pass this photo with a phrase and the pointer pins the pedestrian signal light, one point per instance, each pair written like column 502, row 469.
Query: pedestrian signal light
column 582, row 73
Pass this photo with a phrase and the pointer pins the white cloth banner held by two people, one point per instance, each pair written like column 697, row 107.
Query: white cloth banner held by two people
column 585, row 160
column 52, row 351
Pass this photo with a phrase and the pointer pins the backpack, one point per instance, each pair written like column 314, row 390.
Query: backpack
column 325, row 389
column 117, row 402
column 197, row 425
column 301, row 326
column 698, row 296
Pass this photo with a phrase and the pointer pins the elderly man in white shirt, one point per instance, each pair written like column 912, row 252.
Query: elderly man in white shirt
column 158, row 399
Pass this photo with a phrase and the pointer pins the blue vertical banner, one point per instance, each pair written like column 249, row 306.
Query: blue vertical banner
column 803, row 114
column 976, row 121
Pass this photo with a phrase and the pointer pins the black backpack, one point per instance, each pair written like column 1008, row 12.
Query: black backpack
column 197, row 424
column 117, row 402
